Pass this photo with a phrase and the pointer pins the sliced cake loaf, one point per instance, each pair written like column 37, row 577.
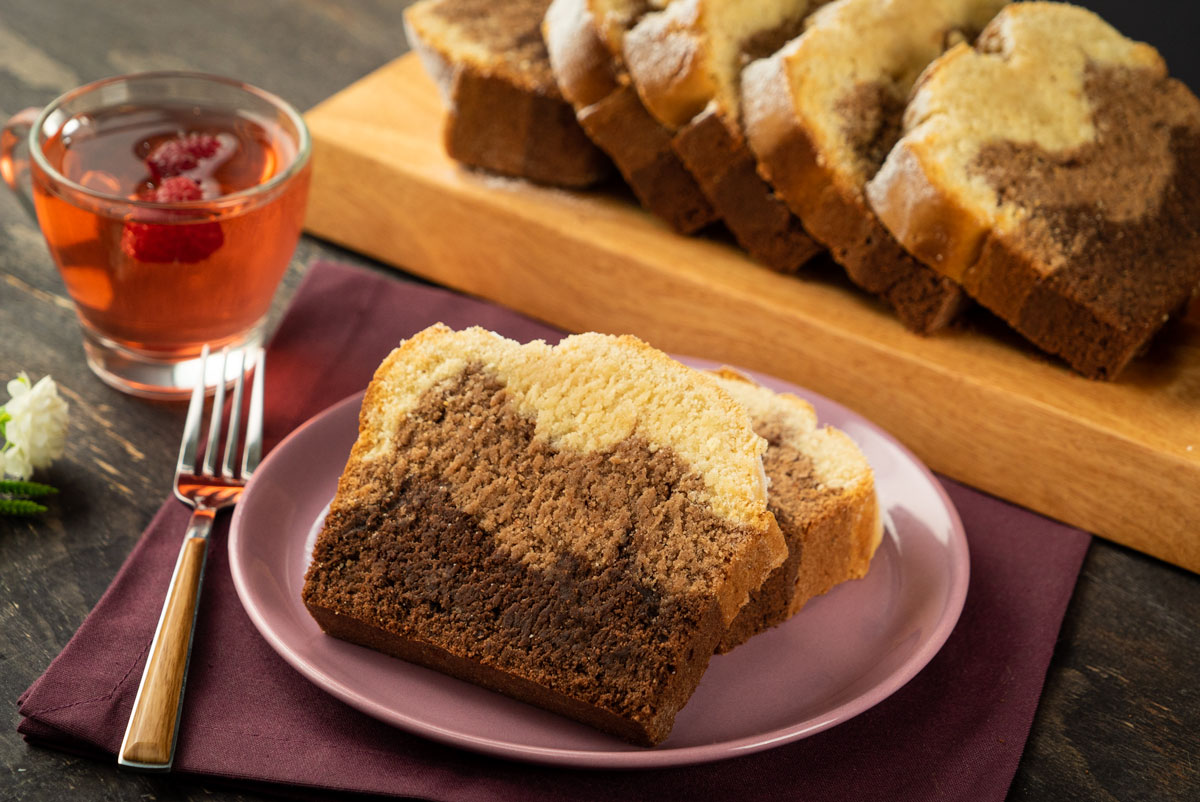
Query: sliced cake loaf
column 1054, row 170
column 821, row 115
column 822, row 493
column 575, row 526
column 505, row 113
column 685, row 62
column 584, row 40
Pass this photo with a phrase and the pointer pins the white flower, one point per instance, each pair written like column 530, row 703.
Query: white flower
column 37, row 427
column 17, row 464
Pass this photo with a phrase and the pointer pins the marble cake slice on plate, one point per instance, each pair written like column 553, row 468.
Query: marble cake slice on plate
column 575, row 526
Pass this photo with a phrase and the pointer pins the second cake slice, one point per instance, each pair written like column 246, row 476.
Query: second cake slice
column 822, row 493
column 1054, row 170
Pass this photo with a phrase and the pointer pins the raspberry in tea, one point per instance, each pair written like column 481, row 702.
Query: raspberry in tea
column 148, row 242
column 190, row 261
column 197, row 155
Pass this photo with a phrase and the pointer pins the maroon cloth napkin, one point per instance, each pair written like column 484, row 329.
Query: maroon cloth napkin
column 956, row 731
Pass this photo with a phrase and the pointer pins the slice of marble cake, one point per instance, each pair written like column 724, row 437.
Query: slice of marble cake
column 575, row 526
column 1053, row 169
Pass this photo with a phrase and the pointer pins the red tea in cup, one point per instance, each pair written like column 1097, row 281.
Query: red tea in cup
column 198, row 275
column 172, row 211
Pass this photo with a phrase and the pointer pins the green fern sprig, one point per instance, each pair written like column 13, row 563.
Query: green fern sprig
column 19, row 489
column 20, row 506
column 15, row 497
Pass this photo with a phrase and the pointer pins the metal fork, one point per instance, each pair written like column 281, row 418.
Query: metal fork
column 149, row 742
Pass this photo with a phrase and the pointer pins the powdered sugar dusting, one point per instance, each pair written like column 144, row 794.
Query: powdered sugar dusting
column 435, row 63
column 665, row 54
column 766, row 104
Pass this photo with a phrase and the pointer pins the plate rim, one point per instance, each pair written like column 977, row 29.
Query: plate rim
column 644, row 758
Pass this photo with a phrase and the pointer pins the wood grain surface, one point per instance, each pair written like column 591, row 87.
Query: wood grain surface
column 1118, row 720
column 1119, row 459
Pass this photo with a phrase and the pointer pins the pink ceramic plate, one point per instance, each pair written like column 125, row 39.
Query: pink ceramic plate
column 846, row 651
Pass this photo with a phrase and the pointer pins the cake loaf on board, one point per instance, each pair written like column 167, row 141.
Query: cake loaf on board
column 1054, row 170
column 504, row 110
column 575, row 526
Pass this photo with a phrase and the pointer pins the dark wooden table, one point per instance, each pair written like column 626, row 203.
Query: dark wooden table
column 1120, row 716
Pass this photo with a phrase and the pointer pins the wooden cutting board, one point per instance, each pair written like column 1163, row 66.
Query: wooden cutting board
column 1121, row 459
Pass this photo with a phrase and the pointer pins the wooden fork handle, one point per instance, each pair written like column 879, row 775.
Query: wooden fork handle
column 149, row 742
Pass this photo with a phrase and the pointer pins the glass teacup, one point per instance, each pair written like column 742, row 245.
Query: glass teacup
column 172, row 204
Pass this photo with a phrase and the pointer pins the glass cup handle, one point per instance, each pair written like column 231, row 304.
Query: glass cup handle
column 13, row 165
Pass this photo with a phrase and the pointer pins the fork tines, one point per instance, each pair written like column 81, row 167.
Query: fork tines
column 252, row 442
